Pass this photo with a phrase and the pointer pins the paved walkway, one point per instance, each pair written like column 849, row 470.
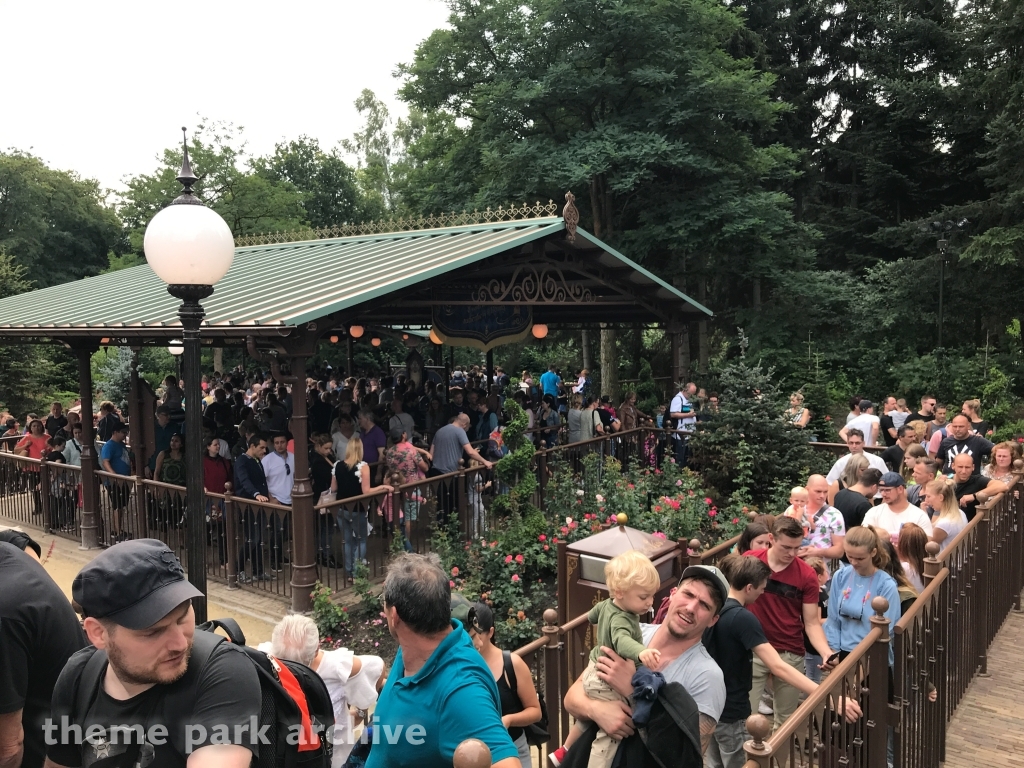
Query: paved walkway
column 255, row 613
column 988, row 726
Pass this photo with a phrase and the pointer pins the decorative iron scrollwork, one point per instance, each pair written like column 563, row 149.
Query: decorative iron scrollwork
column 571, row 216
column 536, row 285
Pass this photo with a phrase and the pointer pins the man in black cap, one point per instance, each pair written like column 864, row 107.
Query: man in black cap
column 153, row 691
column 39, row 632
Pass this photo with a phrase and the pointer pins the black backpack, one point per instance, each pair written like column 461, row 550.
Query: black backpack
column 536, row 733
column 293, row 696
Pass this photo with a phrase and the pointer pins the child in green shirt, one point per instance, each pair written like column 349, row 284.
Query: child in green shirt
column 632, row 581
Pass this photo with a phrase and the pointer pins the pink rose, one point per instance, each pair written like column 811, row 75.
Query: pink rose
column 515, row 577
column 451, row 583
column 455, row 570
column 508, row 558
column 545, row 547
column 542, row 537
column 519, row 558
column 708, row 501
column 712, row 513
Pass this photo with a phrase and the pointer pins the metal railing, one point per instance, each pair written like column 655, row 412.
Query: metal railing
column 940, row 644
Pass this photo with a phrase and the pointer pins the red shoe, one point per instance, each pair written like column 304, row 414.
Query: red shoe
column 557, row 756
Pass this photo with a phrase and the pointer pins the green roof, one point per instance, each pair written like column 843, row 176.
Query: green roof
column 271, row 287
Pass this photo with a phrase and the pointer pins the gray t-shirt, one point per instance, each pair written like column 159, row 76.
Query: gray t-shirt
column 448, row 444
column 697, row 672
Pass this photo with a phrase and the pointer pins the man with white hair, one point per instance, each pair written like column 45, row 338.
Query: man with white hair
column 351, row 680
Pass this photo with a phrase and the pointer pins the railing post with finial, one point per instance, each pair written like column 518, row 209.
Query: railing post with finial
column 553, row 658
column 472, row 753
column 932, row 566
column 981, row 594
column 758, row 751
column 1017, row 527
column 230, row 537
column 694, row 551
column 877, row 681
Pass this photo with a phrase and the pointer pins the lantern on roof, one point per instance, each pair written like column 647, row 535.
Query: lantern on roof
column 435, row 338
column 539, row 330
column 375, row 341
column 355, row 331
column 334, row 339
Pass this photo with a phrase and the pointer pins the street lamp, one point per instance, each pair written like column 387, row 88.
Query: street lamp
column 176, row 348
column 190, row 248
column 944, row 230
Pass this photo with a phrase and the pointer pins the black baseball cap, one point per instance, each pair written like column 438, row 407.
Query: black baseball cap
column 134, row 584
column 21, row 540
column 480, row 618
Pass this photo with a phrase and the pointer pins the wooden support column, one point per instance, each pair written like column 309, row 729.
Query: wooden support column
column 90, row 461
column 677, row 373
column 490, row 369
column 303, row 546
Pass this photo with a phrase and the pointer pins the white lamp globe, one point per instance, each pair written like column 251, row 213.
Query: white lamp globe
column 176, row 347
column 189, row 245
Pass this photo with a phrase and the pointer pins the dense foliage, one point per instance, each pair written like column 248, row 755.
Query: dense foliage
column 784, row 162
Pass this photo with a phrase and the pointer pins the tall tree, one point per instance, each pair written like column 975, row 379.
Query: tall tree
column 330, row 193
column 248, row 201
column 54, row 223
column 637, row 106
column 373, row 148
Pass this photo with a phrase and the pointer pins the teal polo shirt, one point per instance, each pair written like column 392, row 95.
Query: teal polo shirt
column 451, row 699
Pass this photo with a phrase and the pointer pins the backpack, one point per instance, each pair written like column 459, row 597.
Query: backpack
column 292, row 695
column 536, row 733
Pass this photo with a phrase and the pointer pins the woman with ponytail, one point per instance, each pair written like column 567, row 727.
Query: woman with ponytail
column 949, row 519
column 854, row 586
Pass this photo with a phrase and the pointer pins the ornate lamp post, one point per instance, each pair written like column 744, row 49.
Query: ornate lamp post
column 190, row 248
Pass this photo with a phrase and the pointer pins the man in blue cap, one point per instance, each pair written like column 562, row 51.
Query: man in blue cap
column 123, row 702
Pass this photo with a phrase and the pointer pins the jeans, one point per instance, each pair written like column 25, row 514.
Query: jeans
column 726, row 747
column 253, row 521
column 324, row 529
column 353, row 528
column 812, row 662
column 681, row 449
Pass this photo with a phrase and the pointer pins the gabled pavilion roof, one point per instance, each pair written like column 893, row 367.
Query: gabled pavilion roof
column 388, row 279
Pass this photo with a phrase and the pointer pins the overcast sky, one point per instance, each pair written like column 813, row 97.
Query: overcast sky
column 102, row 88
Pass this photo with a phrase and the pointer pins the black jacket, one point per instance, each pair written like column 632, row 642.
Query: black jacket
column 670, row 740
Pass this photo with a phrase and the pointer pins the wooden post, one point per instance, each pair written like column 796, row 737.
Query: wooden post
column 303, row 546
column 759, row 752
column 677, row 373
column 472, row 753
column 230, row 537
column 44, row 496
column 90, row 461
column 931, row 564
column 877, row 712
column 982, row 586
column 490, row 370
column 551, row 659
column 695, row 556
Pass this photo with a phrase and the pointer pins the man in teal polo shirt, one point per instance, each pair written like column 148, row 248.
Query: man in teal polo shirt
column 440, row 692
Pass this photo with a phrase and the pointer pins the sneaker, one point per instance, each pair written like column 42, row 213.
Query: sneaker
column 244, row 579
column 765, row 708
column 557, row 756
column 265, row 577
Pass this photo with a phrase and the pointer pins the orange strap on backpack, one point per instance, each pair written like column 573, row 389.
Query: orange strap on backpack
column 309, row 741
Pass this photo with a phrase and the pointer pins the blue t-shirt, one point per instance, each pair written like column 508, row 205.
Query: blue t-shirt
column 549, row 383
column 420, row 720
column 114, row 452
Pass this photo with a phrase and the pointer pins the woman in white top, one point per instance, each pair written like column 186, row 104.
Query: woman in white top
column 797, row 415
column 949, row 519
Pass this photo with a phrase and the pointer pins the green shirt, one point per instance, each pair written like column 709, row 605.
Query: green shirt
column 617, row 629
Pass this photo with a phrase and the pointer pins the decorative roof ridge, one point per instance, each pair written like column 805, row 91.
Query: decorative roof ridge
column 525, row 212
